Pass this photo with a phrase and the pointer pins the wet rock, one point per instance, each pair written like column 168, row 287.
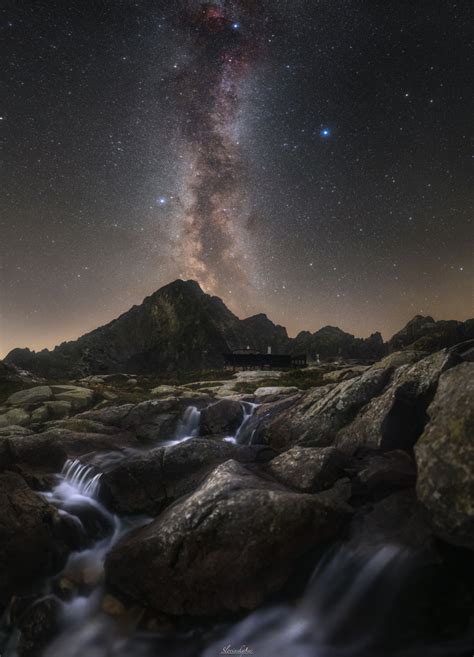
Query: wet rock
column 148, row 482
column 36, row 479
column 344, row 374
column 150, row 420
column 222, row 418
column 82, row 425
column 266, row 418
column 308, row 469
column 96, row 522
column 50, row 449
column 38, row 625
column 15, row 416
column 395, row 419
column 445, row 458
column 39, row 415
column 79, row 398
column 397, row 519
column 30, row 396
column 225, row 547
column 36, row 450
column 110, row 415
column 384, row 473
column 273, row 393
column 59, row 409
column 399, row 358
column 33, row 536
column 15, row 430
column 315, row 420
column 167, row 391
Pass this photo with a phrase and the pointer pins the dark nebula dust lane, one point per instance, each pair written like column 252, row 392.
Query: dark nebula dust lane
column 225, row 42
column 311, row 160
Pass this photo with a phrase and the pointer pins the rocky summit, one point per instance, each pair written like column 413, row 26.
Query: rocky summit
column 133, row 514
column 179, row 328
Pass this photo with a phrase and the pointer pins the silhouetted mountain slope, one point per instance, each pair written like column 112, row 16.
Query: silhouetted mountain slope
column 180, row 328
column 425, row 334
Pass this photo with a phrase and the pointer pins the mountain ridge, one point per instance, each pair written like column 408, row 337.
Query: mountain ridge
column 181, row 328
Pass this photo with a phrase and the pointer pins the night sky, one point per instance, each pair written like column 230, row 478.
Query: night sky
column 308, row 159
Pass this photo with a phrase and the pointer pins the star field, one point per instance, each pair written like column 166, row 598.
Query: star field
column 311, row 160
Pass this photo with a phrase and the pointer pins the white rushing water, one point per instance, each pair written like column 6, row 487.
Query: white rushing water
column 342, row 612
column 241, row 436
column 82, row 477
column 188, row 426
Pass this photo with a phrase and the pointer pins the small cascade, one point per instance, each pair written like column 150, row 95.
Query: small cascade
column 82, row 477
column 188, row 426
column 241, row 433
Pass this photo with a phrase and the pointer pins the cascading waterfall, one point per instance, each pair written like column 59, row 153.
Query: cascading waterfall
column 343, row 612
column 249, row 410
column 188, row 426
column 82, row 477
column 241, row 436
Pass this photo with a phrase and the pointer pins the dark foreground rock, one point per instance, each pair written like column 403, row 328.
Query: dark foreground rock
column 225, row 547
column 34, row 538
column 148, row 482
column 445, row 458
column 308, row 469
column 398, row 519
column 315, row 419
column 223, row 417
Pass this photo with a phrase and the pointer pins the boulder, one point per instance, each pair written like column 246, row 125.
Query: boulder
column 59, row 409
column 445, row 458
column 222, row 418
column 15, row 416
column 50, row 449
column 79, row 398
column 41, row 451
column 395, row 419
column 397, row 519
column 166, row 391
column 308, row 469
column 33, row 536
column 225, row 547
column 272, row 393
column 148, row 482
column 315, row 420
column 385, row 473
column 15, row 430
column 30, row 396
column 150, row 420
column 40, row 415
column 344, row 373
column 399, row 358
column 38, row 624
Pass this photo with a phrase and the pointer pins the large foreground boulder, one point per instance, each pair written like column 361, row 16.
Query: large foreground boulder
column 156, row 419
column 223, row 417
column 395, row 419
column 445, row 458
column 225, row 547
column 148, row 482
column 34, row 538
column 308, row 469
column 315, row 419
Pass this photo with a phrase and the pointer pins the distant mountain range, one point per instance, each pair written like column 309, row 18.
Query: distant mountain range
column 180, row 328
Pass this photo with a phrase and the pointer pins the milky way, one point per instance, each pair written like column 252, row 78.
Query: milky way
column 310, row 159
column 225, row 41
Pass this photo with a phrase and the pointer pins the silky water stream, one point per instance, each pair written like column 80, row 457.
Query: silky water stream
column 344, row 611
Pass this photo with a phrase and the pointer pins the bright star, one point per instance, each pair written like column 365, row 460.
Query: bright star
column 162, row 200
column 235, row 26
column 325, row 132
